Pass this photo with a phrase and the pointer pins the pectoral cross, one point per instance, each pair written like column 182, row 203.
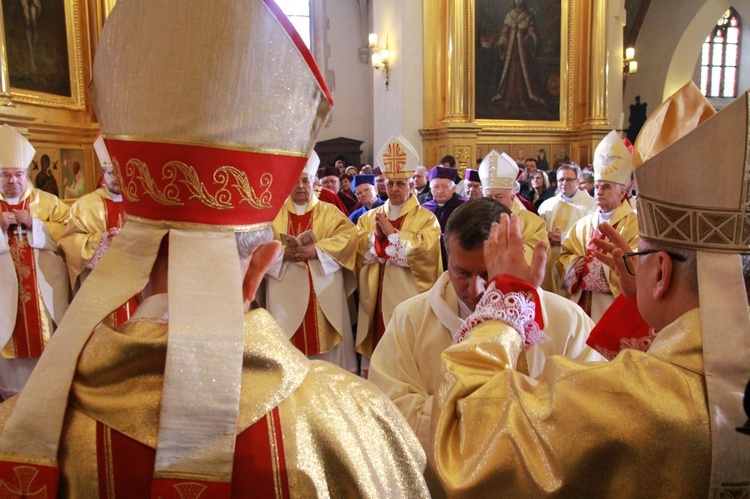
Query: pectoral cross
column 20, row 231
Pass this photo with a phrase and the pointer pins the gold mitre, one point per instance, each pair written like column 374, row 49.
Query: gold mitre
column 677, row 202
column 101, row 151
column 612, row 160
column 498, row 171
column 398, row 158
column 15, row 150
column 211, row 133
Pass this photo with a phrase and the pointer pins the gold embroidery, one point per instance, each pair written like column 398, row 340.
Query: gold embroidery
column 394, row 159
column 139, row 179
column 25, row 476
column 189, row 490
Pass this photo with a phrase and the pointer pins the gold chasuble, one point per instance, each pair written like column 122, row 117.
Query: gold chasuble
column 309, row 299
column 499, row 431
column 84, row 244
column 33, row 285
column 285, row 446
column 380, row 279
column 578, row 244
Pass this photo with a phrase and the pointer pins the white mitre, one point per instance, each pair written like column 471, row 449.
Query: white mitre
column 612, row 160
column 498, row 171
column 15, row 150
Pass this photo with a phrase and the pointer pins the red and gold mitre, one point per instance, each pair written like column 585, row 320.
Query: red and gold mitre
column 211, row 133
column 398, row 158
column 209, row 110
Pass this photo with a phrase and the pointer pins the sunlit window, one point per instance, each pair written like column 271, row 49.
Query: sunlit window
column 298, row 12
column 720, row 58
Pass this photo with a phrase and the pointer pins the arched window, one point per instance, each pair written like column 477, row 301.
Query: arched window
column 298, row 12
column 720, row 59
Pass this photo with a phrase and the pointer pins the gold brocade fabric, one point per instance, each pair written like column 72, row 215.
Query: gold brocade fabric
column 420, row 235
column 533, row 230
column 681, row 113
column 636, row 426
column 342, row 437
column 337, row 237
column 624, row 220
column 84, row 231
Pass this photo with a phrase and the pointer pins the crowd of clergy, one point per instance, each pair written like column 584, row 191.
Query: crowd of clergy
column 507, row 335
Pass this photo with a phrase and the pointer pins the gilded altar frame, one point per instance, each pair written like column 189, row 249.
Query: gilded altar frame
column 451, row 124
column 75, row 100
column 564, row 74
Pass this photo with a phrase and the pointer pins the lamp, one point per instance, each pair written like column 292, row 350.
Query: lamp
column 380, row 56
column 629, row 64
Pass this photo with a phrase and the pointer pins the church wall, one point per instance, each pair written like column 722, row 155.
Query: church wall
column 337, row 40
column 669, row 45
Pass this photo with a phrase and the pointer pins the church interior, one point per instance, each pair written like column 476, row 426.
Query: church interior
column 435, row 86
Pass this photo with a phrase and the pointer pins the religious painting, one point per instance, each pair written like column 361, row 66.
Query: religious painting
column 73, row 181
column 518, row 54
column 540, row 152
column 561, row 154
column 45, row 170
column 42, row 56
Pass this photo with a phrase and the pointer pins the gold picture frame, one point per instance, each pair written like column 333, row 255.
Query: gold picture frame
column 483, row 46
column 60, row 86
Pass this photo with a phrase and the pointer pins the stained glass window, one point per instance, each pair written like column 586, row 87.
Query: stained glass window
column 720, row 57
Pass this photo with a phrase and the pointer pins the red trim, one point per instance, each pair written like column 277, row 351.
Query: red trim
column 509, row 284
column 301, row 47
column 282, row 171
column 281, row 471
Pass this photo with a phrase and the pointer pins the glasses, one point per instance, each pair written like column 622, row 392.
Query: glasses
column 626, row 256
column 562, row 180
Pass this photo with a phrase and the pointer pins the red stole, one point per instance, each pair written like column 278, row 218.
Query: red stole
column 125, row 467
column 306, row 338
column 380, row 245
column 114, row 216
column 31, row 321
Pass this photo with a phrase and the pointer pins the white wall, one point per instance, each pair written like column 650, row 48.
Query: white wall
column 336, row 46
column 399, row 110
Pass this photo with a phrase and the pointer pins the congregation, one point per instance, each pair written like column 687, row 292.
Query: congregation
column 348, row 330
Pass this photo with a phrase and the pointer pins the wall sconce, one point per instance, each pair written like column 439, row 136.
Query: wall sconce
column 380, row 57
column 629, row 64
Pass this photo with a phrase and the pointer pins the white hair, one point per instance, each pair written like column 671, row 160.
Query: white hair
column 247, row 242
column 453, row 184
column 420, row 169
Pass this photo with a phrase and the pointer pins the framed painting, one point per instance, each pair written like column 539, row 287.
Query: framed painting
column 45, row 170
column 520, row 56
column 73, row 178
column 42, row 62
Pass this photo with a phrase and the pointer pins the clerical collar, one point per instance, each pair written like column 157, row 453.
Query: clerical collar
column 117, row 198
column 463, row 310
column 299, row 209
column 395, row 210
column 566, row 198
column 604, row 217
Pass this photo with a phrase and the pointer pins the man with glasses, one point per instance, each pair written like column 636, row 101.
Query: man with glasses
column 560, row 213
column 34, row 288
column 399, row 248
column 656, row 423
column 367, row 195
column 588, row 282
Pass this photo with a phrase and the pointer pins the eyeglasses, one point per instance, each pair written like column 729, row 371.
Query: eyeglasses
column 625, row 256
column 561, row 180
